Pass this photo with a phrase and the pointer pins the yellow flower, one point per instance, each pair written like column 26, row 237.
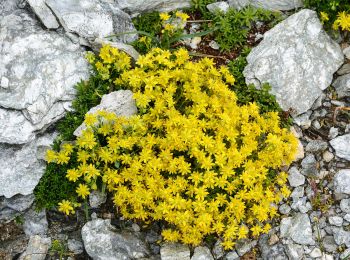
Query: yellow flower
column 62, row 157
column 324, row 17
column 90, row 119
column 183, row 16
column 73, row 175
column 83, row 190
column 164, row 16
column 66, row 207
column 51, row 156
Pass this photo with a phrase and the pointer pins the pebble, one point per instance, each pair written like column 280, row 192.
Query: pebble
column 195, row 42
column 214, row 45
column 327, row 156
column 316, row 253
column 335, row 221
column 333, row 133
column 315, row 146
column 295, row 178
column 75, row 246
column 284, row 209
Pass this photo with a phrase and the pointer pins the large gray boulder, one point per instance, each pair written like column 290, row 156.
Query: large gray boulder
column 297, row 58
column 92, row 19
column 103, row 242
column 21, row 167
column 282, row 5
column 44, row 13
column 140, row 6
column 38, row 70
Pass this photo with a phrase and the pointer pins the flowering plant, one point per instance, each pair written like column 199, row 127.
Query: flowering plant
column 191, row 157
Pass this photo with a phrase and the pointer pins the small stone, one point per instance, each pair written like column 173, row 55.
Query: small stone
column 4, row 82
column 174, row 251
column 316, row 124
column 202, row 253
column 195, row 42
column 345, row 205
column 135, row 227
column 342, row 183
column 37, row 248
column 298, row 229
column 284, row 209
column 75, row 246
column 347, row 217
column 327, row 257
column 298, row 192
column 329, row 244
column 218, row 7
column 232, row 256
column 218, row 250
column 335, row 221
column 300, row 152
column 315, row 146
column 295, row 178
column 341, row 145
column 341, row 236
column 214, row 45
column 309, row 166
column 295, row 252
column 97, row 198
column 273, row 239
column 303, row 120
column 333, row 132
column 316, row 253
column 342, row 86
column 345, row 69
column 243, row 246
column 327, row 156
column 35, row 223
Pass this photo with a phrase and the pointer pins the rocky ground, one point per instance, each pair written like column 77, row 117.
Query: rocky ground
column 41, row 54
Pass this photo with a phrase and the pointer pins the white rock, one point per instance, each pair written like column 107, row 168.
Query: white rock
column 194, row 42
column 345, row 205
column 93, row 18
column 342, row 182
column 214, row 45
column 75, row 246
column 298, row 229
column 232, row 256
column 141, row 6
column 342, row 85
column 316, row 252
column 97, row 198
column 295, row 178
column 4, row 82
column 44, row 13
column 43, row 68
column 102, row 241
column 295, row 251
column 35, row 222
column 37, row 248
column 327, row 156
column 341, row 145
column 267, row 4
column 120, row 102
column 22, row 166
column 202, row 253
column 297, row 58
column 174, row 251
column 336, row 221
column 218, row 7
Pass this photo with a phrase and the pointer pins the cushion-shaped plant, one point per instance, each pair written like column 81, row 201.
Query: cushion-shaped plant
column 192, row 157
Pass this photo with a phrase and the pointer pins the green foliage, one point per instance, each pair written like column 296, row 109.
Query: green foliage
column 59, row 249
column 201, row 6
column 148, row 22
column 233, row 27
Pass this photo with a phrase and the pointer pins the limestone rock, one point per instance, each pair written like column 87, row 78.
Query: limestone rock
column 102, row 241
column 298, row 229
column 42, row 68
column 202, row 253
column 139, row 6
column 345, row 205
column 342, row 85
column 174, row 251
column 35, row 222
column 8, row 6
column 297, row 58
column 14, row 206
column 92, row 19
column 44, row 13
column 22, row 166
column 218, row 7
column 267, row 4
column 120, row 102
column 37, row 248
column 342, row 182
column 341, row 145
column 295, row 178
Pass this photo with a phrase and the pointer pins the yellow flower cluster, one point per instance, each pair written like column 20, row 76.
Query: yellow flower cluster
column 192, row 157
column 109, row 62
column 342, row 21
column 171, row 24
